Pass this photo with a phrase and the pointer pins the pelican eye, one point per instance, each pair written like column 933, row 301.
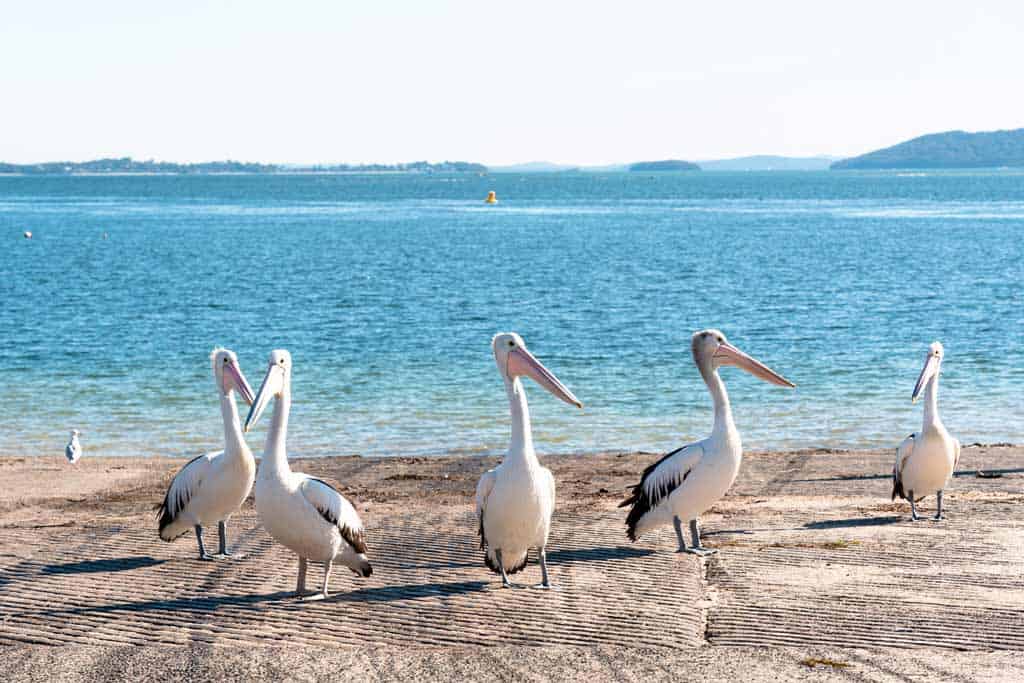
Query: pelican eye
column 511, row 343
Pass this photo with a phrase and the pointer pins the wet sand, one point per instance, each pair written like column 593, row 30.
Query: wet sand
column 818, row 575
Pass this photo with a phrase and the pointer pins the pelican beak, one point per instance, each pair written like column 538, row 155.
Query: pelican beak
column 521, row 362
column 930, row 369
column 730, row 355
column 236, row 377
column 273, row 382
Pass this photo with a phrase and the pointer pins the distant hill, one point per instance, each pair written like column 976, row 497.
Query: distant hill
column 129, row 165
column 533, row 167
column 766, row 162
column 953, row 149
column 666, row 165
column 551, row 167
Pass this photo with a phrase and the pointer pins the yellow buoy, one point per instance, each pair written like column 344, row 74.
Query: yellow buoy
column 492, row 198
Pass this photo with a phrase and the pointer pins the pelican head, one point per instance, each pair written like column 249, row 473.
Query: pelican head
column 932, row 367
column 228, row 374
column 712, row 350
column 514, row 360
column 275, row 382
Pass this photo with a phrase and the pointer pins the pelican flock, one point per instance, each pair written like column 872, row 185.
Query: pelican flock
column 689, row 480
column 73, row 451
column 306, row 515
column 213, row 486
column 925, row 460
column 515, row 500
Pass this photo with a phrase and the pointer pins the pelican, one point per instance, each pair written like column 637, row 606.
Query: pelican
column 211, row 487
column 73, row 451
column 926, row 459
column 306, row 515
column 514, row 501
column 687, row 481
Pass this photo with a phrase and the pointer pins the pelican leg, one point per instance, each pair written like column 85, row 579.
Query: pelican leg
column 199, row 540
column 327, row 576
column 300, row 585
column 913, row 508
column 938, row 513
column 545, row 582
column 678, row 524
column 505, row 583
column 697, row 548
column 222, row 529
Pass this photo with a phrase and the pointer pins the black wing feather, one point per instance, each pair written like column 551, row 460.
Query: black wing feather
column 352, row 537
column 641, row 502
column 164, row 510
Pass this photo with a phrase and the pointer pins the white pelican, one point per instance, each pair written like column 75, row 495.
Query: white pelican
column 689, row 480
column 306, row 515
column 514, row 501
column 211, row 487
column 73, row 451
column 926, row 459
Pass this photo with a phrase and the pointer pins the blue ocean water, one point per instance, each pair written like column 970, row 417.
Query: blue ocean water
column 388, row 288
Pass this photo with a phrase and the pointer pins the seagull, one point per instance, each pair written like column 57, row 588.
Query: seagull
column 73, row 451
column 685, row 482
column 306, row 515
column 515, row 500
column 925, row 460
column 213, row 486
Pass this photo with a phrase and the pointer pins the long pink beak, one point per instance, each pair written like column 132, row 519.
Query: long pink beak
column 931, row 366
column 521, row 362
column 238, row 379
column 730, row 355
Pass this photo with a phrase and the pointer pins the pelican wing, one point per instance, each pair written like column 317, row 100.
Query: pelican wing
column 549, row 479
column 658, row 482
column 904, row 451
column 483, row 491
column 181, row 490
column 336, row 509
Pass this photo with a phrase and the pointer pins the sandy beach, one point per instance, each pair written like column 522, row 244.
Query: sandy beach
column 818, row 574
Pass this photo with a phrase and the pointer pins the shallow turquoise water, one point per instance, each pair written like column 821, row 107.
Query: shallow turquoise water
column 387, row 290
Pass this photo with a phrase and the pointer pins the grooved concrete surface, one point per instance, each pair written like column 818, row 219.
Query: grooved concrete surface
column 118, row 586
column 818, row 574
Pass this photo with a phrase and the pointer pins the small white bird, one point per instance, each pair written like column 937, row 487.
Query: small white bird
column 926, row 460
column 685, row 482
column 213, row 486
column 515, row 500
column 304, row 514
column 73, row 451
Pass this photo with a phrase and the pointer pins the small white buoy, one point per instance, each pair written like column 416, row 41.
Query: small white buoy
column 27, row 234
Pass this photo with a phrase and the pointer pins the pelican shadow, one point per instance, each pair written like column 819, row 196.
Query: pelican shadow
column 409, row 591
column 847, row 523
column 598, row 554
column 113, row 564
column 202, row 604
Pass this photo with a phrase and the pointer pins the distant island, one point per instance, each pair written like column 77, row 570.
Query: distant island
column 767, row 162
column 953, row 149
column 129, row 165
column 666, row 165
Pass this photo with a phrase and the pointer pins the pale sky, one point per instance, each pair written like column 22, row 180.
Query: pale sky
column 573, row 82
